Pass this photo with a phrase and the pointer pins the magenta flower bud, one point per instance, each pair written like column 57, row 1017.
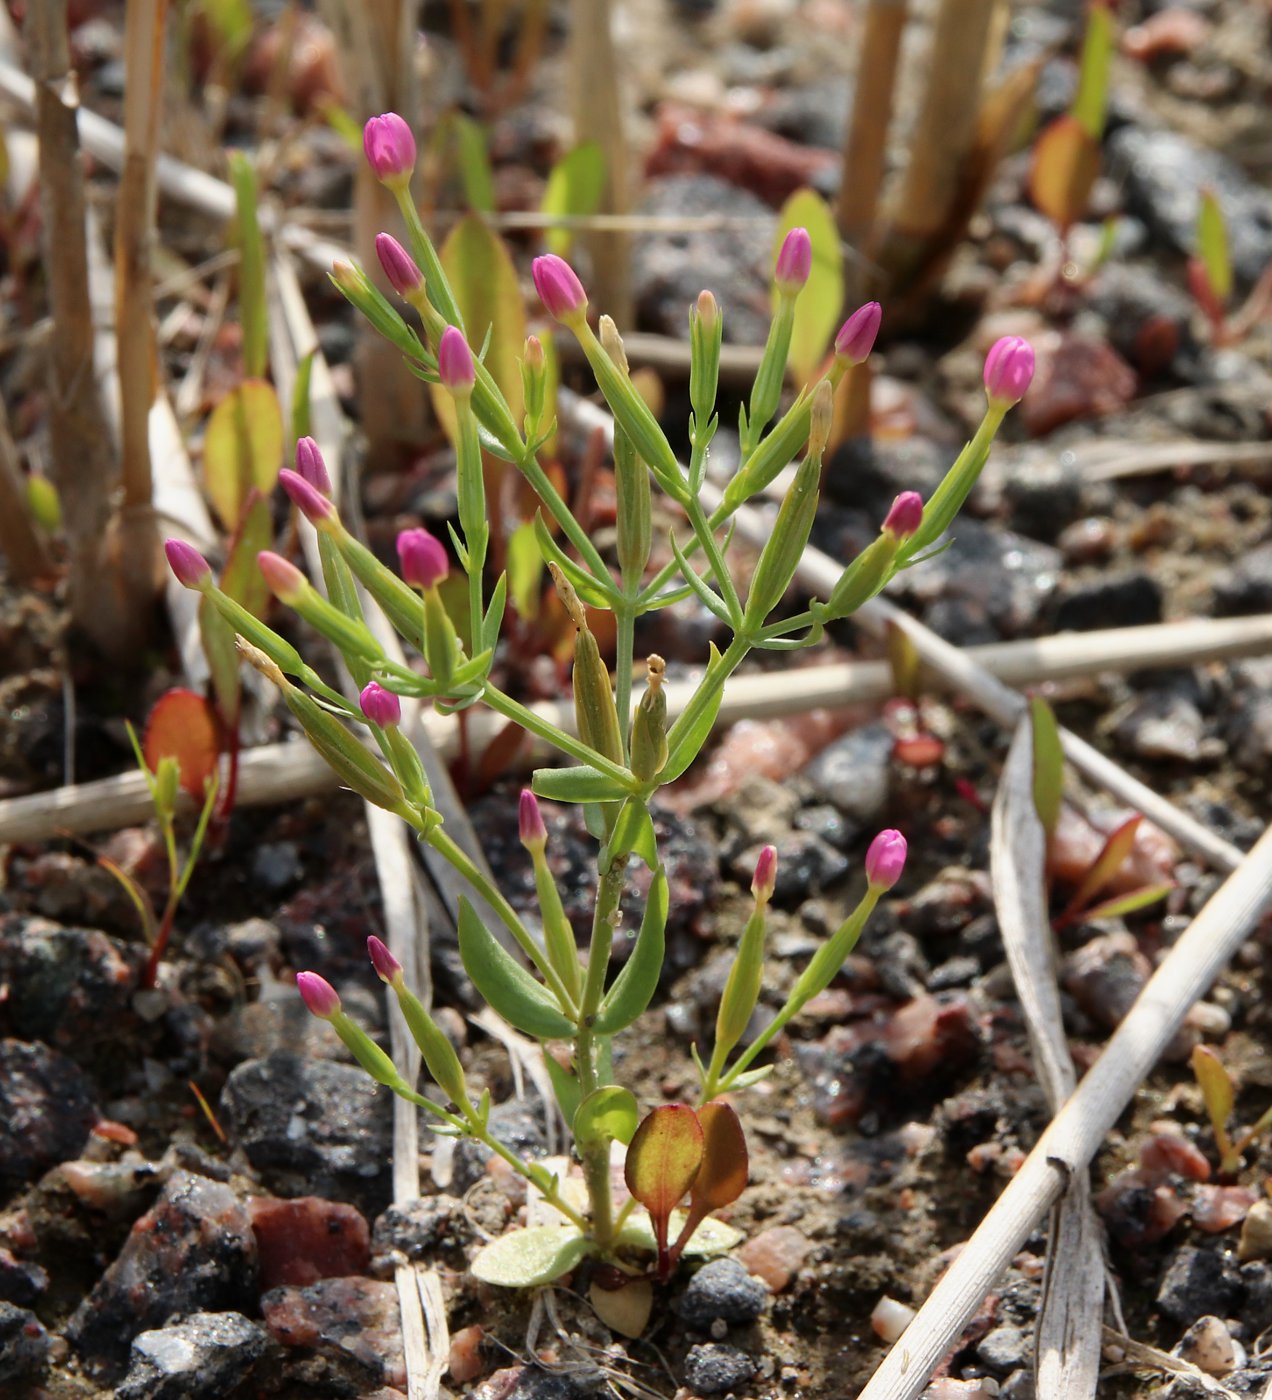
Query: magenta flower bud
column 906, row 515
column 794, row 261
column 399, row 266
column 422, row 558
column 390, row 149
column 310, row 501
column 380, row 706
column 455, row 362
column 559, row 288
column 1009, row 368
column 533, row 833
column 387, row 967
column 284, row 579
column 885, row 860
column 190, row 567
column 318, row 995
column 765, row 881
column 310, row 465
column 856, row 336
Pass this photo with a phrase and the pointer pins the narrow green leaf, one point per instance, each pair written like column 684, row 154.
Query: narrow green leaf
column 300, row 397
column 1048, row 763
column 686, row 741
column 527, row 1258
column 251, row 276
column 578, row 783
column 509, row 988
column 594, row 592
column 817, row 310
column 1128, row 903
column 1117, row 847
column 574, row 189
column 633, row 989
column 1091, row 101
column 525, row 570
column 607, row 1112
column 565, row 1086
column 1212, row 245
column 468, row 141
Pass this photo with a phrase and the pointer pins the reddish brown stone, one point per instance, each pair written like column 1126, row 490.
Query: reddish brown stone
column 775, row 1255
column 1081, row 377
column 300, row 1241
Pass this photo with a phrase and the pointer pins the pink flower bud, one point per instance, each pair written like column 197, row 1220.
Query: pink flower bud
column 906, row 515
column 1009, row 368
column 422, row 558
column 310, row 465
column 765, row 880
column 856, row 336
column 390, row 148
column 533, row 833
column 399, row 266
column 708, row 310
column 284, row 579
column 794, row 261
column 535, row 359
column 387, row 967
column 885, row 860
column 318, row 995
column 455, row 362
column 380, row 706
column 190, row 567
column 559, row 288
column 310, row 501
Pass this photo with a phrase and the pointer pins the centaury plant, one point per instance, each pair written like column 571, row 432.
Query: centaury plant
column 621, row 750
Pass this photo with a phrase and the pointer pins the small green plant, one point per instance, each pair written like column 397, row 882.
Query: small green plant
column 1211, row 282
column 1219, row 1095
column 621, row 751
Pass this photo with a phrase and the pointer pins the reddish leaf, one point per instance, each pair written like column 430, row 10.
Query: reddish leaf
column 1105, row 866
column 664, row 1157
column 183, row 726
column 725, row 1164
column 1066, row 160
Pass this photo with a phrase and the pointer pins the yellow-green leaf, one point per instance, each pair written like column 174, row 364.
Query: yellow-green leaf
column 819, row 304
column 1048, row 764
column 243, row 448
column 1066, row 160
column 1091, row 101
column 525, row 570
column 1212, row 245
column 484, row 280
column 607, row 1112
column 1216, row 1086
column 574, row 189
column 251, row 270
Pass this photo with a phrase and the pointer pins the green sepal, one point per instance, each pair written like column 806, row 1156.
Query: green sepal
column 861, row 580
column 400, row 602
column 633, row 989
column 742, row 989
column 948, row 498
column 558, row 934
column 367, row 298
column 773, row 454
column 405, row 762
column 766, row 392
column 368, row 777
column 785, row 545
column 252, row 629
column 578, row 783
column 524, row 1002
column 349, row 635
column 609, row 1112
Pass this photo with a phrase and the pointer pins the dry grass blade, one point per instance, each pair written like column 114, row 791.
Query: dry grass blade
column 1142, row 1357
column 1067, row 1340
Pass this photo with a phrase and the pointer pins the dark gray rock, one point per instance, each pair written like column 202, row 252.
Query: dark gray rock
column 722, row 1290
column 855, row 772
column 824, row 819
column 868, row 476
column 1164, row 174
column 1132, row 599
column 1256, row 1306
column 1246, row 587
column 46, row 1110
column 1143, row 315
column 416, row 1230
column 1197, row 1282
column 21, row 1281
column 24, row 1347
column 581, row 1383
column 670, row 269
column 204, row 1357
column 193, row 1251
column 806, row 865
column 277, row 865
column 956, row 972
column 312, row 1127
column 1042, row 494
column 1004, row 1350
column 813, row 113
column 712, row 1368
column 903, row 970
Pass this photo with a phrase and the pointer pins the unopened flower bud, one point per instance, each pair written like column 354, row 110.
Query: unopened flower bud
column 1009, row 368
column 856, row 336
column 534, row 381
column 885, row 860
column 765, row 880
column 399, row 266
column 283, row 578
column 822, row 416
column 380, row 706
column 190, row 567
column 455, row 363
column 387, row 967
column 649, row 728
column 306, row 497
column 532, row 831
column 613, row 343
column 708, row 311
column 318, row 994
column 389, row 146
column 794, row 261
column 906, row 515
column 422, row 558
column 310, row 465
column 559, row 288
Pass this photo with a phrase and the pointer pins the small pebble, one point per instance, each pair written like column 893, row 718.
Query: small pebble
column 1256, row 1233
column 1208, row 1345
column 890, row 1318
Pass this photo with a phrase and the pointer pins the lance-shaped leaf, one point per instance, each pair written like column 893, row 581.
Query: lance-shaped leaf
column 607, row 1113
column 634, row 987
column 1066, row 160
column 182, row 726
column 565, row 1085
column 1212, row 246
column 578, row 783
column 1217, row 1093
column 527, row 1258
column 693, row 727
column 1119, row 905
column 574, row 189
column 1048, row 764
column 662, row 1161
column 725, row 1167
column 243, row 448
column 1104, row 867
column 508, row 987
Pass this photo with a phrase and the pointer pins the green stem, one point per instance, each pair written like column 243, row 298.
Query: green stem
column 733, row 656
column 558, row 738
column 529, row 467
column 624, row 656
column 702, row 529
column 434, row 274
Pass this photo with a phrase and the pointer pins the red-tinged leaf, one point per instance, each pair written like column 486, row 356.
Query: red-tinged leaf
column 243, row 448
column 663, row 1158
column 1066, row 160
column 183, row 726
column 1117, row 847
column 725, row 1163
column 1128, row 903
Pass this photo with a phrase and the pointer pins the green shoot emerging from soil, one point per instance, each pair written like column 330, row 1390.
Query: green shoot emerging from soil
column 621, row 749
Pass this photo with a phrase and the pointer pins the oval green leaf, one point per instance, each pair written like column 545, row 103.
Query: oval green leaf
column 527, row 1258
column 607, row 1112
column 243, row 448
column 508, row 987
column 664, row 1157
column 711, row 1237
